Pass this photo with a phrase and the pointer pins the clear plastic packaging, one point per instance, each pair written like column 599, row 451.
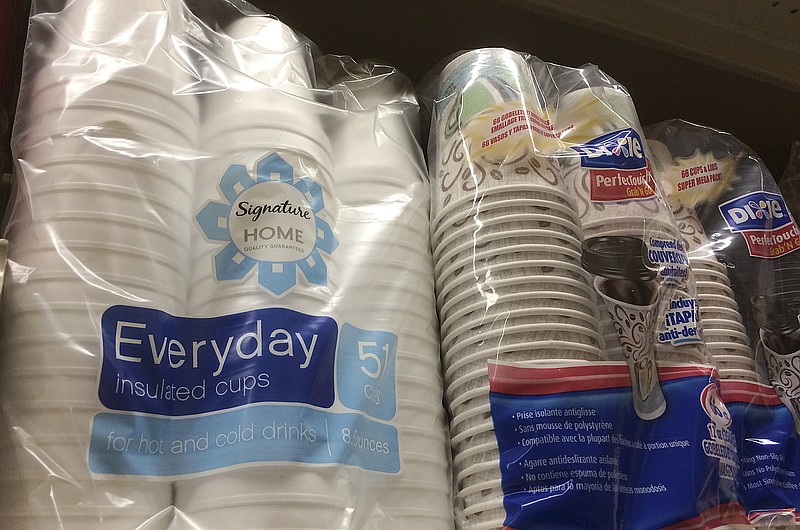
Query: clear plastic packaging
column 220, row 307
column 580, row 391
column 744, row 240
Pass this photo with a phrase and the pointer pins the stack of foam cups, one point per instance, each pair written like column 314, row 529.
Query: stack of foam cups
column 103, row 218
column 262, row 123
column 724, row 333
column 387, row 284
column 509, row 281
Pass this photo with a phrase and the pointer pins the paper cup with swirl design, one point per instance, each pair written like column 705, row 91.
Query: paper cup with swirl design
column 626, row 281
column 784, row 374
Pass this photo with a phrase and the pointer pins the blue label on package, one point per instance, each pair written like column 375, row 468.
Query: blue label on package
column 764, row 430
column 621, row 149
column 760, row 210
column 365, row 371
column 130, row 444
column 574, row 455
column 157, row 363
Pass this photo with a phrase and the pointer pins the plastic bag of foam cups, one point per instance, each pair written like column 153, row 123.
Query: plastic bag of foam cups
column 220, row 303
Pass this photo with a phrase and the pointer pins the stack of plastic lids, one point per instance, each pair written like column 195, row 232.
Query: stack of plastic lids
column 102, row 218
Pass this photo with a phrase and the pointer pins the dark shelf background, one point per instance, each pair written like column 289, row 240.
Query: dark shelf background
column 415, row 36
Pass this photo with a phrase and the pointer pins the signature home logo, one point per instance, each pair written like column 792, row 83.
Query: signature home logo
column 270, row 223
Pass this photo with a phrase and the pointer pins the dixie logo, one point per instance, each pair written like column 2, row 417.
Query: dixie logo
column 759, row 210
column 621, row 149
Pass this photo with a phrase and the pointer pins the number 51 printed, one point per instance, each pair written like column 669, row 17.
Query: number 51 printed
column 365, row 371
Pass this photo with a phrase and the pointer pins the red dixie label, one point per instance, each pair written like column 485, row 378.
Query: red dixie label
column 622, row 185
column 772, row 243
column 618, row 167
column 765, row 223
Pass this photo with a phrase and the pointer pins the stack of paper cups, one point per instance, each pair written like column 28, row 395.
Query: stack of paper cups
column 102, row 219
column 264, row 145
column 507, row 243
column 724, row 333
column 386, row 283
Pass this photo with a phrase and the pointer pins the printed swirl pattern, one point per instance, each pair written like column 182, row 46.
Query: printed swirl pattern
column 784, row 373
column 468, row 175
column 632, row 328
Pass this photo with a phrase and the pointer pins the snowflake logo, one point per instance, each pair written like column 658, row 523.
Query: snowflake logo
column 271, row 223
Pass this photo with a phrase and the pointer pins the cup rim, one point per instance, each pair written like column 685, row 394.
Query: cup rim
column 720, row 323
column 726, row 333
column 480, row 196
column 445, row 274
column 105, row 218
column 491, row 524
column 438, row 238
column 708, row 264
column 713, row 273
column 105, row 160
column 735, row 315
column 518, row 248
column 442, row 254
column 136, row 83
column 467, row 395
column 521, row 347
column 100, row 187
column 119, row 108
column 472, row 431
column 738, row 372
column 522, row 312
column 468, row 452
column 113, row 249
column 726, row 345
column 718, row 298
column 480, row 467
column 528, row 279
column 475, row 411
column 481, row 486
column 492, row 504
column 520, row 297
column 702, row 285
column 574, row 329
column 732, row 358
column 648, row 224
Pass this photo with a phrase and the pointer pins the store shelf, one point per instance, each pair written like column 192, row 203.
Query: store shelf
column 733, row 65
column 754, row 38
